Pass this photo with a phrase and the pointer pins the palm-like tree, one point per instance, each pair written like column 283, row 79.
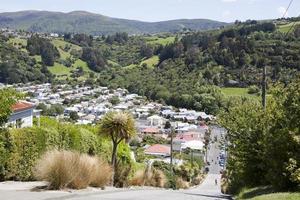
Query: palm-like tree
column 118, row 126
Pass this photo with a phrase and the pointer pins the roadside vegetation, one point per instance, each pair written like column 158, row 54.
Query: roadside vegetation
column 263, row 144
column 266, row 193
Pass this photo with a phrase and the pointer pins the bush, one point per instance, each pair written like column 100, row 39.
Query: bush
column 59, row 168
column 181, row 184
column 102, row 175
column 73, row 170
column 253, row 90
column 197, row 180
column 153, row 177
column 138, row 179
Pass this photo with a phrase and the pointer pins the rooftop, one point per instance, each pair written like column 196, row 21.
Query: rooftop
column 22, row 105
column 158, row 149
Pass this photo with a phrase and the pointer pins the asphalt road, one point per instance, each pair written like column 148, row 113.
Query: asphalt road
column 208, row 190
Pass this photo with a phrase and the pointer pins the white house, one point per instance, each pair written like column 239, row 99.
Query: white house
column 156, row 120
column 22, row 115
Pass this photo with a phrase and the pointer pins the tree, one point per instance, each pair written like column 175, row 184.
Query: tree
column 119, row 126
column 8, row 98
column 167, row 125
column 114, row 100
column 74, row 116
column 207, row 136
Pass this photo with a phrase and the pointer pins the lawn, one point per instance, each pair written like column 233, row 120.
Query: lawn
column 266, row 193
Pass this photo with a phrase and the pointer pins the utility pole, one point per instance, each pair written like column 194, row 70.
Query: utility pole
column 264, row 87
column 171, row 153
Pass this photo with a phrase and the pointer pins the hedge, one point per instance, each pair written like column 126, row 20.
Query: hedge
column 21, row 148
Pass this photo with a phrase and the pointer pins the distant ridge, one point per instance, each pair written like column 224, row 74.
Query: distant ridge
column 96, row 24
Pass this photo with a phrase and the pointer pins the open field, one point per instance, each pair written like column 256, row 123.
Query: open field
column 231, row 91
column 286, row 27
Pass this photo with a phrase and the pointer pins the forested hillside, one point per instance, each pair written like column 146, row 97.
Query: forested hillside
column 185, row 69
column 95, row 24
column 17, row 66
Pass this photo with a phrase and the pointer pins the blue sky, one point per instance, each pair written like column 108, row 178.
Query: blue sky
column 158, row 10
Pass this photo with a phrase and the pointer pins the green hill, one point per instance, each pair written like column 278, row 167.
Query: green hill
column 95, row 24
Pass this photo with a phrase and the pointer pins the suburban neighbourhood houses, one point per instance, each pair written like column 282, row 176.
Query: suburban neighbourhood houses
column 91, row 104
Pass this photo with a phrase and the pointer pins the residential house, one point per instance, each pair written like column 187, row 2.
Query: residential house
column 158, row 150
column 22, row 115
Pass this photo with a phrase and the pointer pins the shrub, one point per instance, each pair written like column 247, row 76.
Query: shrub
column 59, row 168
column 102, row 173
column 181, row 184
column 85, row 171
column 158, row 179
column 197, row 180
column 138, row 179
column 73, row 170
column 253, row 89
column 153, row 177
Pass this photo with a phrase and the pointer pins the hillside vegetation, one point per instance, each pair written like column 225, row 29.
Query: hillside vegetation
column 185, row 69
column 95, row 24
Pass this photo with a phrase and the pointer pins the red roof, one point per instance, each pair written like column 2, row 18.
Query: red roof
column 22, row 105
column 150, row 130
column 188, row 136
column 158, row 149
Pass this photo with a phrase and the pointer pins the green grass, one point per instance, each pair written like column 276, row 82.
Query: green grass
column 231, row 91
column 59, row 69
column 62, row 71
column 61, row 43
column 151, row 62
column 18, row 43
column 266, row 193
column 286, row 27
column 237, row 92
column 160, row 40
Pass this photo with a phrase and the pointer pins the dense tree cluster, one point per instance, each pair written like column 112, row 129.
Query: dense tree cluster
column 79, row 39
column 263, row 145
column 17, row 67
column 94, row 58
column 41, row 46
column 118, row 38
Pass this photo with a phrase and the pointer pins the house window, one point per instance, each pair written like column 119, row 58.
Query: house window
column 18, row 123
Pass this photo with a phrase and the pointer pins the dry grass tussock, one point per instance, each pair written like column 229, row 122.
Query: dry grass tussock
column 66, row 169
column 181, row 184
column 154, row 178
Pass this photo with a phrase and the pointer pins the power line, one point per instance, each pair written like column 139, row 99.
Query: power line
column 293, row 25
column 286, row 11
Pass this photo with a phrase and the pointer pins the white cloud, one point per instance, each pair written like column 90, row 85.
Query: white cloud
column 281, row 10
